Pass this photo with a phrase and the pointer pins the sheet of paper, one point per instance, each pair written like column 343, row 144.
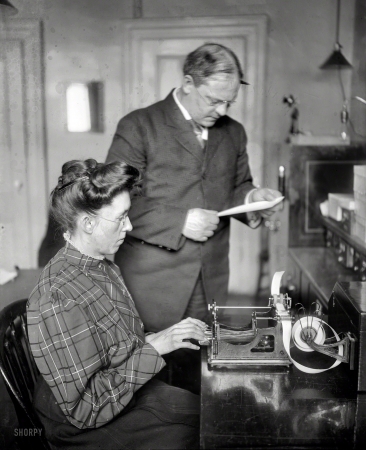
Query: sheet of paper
column 255, row 206
column 6, row 275
column 276, row 283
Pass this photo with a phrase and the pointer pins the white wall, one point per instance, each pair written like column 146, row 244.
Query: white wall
column 82, row 42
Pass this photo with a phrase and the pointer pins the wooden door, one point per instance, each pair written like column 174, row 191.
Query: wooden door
column 154, row 55
column 23, row 204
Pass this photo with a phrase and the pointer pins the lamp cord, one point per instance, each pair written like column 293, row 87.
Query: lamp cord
column 344, row 100
column 341, row 83
column 338, row 16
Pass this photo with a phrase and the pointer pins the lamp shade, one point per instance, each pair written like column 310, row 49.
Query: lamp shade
column 7, row 8
column 336, row 60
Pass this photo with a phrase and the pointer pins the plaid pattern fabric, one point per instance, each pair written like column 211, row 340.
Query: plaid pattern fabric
column 87, row 338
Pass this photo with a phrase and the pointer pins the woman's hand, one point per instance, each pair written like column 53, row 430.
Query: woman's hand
column 178, row 335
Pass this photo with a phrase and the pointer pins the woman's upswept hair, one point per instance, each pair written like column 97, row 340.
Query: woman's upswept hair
column 87, row 186
column 210, row 59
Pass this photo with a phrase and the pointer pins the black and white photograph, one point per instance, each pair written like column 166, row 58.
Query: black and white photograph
column 182, row 224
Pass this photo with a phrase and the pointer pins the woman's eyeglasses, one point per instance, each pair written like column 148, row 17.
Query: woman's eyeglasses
column 120, row 221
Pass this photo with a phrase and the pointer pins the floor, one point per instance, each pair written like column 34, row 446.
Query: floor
column 8, row 420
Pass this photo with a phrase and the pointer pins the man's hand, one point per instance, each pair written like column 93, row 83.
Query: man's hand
column 177, row 336
column 200, row 224
column 267, row 194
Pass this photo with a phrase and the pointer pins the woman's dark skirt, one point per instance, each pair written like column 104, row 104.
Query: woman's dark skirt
column 159, row 416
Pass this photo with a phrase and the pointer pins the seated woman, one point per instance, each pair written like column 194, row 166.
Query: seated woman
column 97, row 389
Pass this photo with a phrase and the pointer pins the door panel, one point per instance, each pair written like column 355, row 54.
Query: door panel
column 155, row 51
column 23, row 207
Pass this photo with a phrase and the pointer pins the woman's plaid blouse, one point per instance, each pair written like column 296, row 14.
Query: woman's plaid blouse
column 87, row 338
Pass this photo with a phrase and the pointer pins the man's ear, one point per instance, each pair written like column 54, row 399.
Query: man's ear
column 188, row 84
column 87, row 223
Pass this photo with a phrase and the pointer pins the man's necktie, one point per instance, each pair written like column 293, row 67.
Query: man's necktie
column 197, row 129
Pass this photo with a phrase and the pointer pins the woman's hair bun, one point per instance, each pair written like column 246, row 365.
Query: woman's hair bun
column 88, row 186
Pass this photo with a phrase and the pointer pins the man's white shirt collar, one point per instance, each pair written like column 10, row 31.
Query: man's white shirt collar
column 186, row 114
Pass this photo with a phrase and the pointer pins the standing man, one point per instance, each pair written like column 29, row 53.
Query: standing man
column 194, row 163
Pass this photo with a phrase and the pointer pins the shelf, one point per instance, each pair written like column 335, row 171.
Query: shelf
column 321, row 268
column 302, row 139
column 354, row 241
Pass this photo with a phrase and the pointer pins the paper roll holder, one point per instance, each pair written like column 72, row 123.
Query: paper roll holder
column 311, row 326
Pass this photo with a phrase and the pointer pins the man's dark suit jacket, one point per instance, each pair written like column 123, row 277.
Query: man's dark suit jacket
column 160, row 266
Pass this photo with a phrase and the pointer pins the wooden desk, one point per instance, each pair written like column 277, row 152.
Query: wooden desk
column 269, row 408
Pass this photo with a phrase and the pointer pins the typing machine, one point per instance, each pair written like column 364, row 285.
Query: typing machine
column 252, row 345
column 247, row 403
column 341, row 335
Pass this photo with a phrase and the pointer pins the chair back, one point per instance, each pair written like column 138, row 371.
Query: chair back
column 18, row 368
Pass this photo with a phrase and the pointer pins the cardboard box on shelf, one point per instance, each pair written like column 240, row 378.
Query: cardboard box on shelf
column 337, row 202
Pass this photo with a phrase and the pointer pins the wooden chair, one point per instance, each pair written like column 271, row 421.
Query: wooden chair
column 20, row 372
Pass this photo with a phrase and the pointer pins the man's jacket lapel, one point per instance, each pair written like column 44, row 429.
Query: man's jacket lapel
column 181, row 128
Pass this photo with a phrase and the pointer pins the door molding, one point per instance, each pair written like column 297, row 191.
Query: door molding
column 159, row 40
column 23, row 139
column 252, row 28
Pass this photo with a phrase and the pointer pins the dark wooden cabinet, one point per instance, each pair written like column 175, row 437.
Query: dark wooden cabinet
column 316, row 262
column 318, row 270
column 280, row 407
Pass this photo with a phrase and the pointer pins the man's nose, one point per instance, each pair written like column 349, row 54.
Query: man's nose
column 128, row 225
column 222, row 109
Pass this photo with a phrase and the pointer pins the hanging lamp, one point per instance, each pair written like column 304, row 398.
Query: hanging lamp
column 336, row 60
column 7, row 8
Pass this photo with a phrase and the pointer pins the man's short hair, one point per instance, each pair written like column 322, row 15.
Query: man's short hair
column 210, row 59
